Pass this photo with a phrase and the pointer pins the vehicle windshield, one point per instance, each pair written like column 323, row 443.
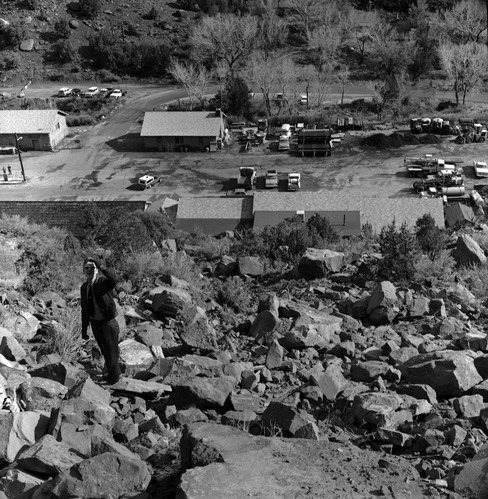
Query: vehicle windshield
column 247, row 172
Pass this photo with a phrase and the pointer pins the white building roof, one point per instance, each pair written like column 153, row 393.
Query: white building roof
column 28, row 121
column 181, row 124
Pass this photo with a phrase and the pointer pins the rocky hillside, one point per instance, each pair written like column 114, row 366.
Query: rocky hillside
column 341, row 384
column 36, row 19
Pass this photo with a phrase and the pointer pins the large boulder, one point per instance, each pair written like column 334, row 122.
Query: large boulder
column 23, row 325
column 18, row 430
column 42, row 394
column 108, row 475
column 196, row 332
column 203, row 393
column 135, row 356
column 450, row 373
column 319, row 262
column 250, row 265
column 383, row 295
column 166, row 300
column 468, row 251
column 27, row 45
column 47, row 457
column 472, row 480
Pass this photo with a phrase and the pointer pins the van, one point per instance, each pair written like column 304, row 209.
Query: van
column 146, row 182
column 64, row 92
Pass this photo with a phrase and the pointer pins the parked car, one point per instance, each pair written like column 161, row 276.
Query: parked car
column 294, row 181
column 115, row 94
column 303, row 99
column 91, row 92
column 271, row 179
column 76, row 92
column 64, row 92
column 284, row 143
column 146, row 182
column 285, row 129
column 480, row 169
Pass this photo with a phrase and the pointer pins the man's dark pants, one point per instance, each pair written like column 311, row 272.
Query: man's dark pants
column 107, row 336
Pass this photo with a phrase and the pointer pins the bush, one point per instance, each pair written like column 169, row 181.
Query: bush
column 152, row 14
column 9, row 60
column 399, row 249
column 430, row 238
column 232, row 293
column 61, row 28
column 11, row 35
column 31, row 4
column 64, row 336
column 106, row 76
column 441, row 269
column 62, row 51
column 80, row 120
column 89, row 8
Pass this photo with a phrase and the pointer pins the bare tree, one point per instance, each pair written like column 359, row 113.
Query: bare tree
column 262, row 71
column 272, row 29
column 325, row 41
column 224, row 37
column 310, row 14
column 360, row 26
column 342, row 76
column 465, row 64
column 194, row 78
column 464, row 23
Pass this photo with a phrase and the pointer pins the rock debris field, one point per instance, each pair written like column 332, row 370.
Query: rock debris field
column 338, row 388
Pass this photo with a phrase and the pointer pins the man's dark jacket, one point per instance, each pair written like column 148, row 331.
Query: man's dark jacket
column 102, row 292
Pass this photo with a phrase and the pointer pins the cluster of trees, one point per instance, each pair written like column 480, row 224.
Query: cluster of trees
column 331, row 41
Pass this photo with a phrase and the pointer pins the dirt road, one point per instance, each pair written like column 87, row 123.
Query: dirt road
column 99, row 171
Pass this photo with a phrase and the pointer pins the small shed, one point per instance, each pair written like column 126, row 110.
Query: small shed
column 183, row 131
column 36, row 129
column 214, row 215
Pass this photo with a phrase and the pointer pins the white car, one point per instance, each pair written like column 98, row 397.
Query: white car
column 115, row 94
column 284, row 143
column 64, row 92
column 271, row 179
column 91, row 92
column 146, row 182
column 285, row 129
column 480, row 169
column 303, row 99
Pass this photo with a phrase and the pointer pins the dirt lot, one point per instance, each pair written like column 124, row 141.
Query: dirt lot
column 101, row 170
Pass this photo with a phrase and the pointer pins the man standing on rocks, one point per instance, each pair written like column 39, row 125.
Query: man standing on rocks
column 98, row 310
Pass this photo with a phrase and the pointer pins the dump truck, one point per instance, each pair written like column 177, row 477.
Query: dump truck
column 247, row 177
column 427, row 165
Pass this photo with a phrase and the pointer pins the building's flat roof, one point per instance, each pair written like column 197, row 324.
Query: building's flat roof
column 181, row 124
column 379, row 212
column 215, row 207
column 28, row 120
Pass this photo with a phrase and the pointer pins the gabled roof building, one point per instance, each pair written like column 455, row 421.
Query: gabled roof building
column 36, row 129
column 182, row 130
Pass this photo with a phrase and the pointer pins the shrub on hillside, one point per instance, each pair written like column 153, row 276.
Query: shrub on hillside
column 31, row 4
column 62, row 51
column 399, row 250
column 122, row 233
column 89, row 8
column 11, row 35
column 80, row 120
column 233, row 293
column 430, row 238
column 9, row 60
column 64, row 336
column 147, row 58
column 61, row 28
column 152, row 14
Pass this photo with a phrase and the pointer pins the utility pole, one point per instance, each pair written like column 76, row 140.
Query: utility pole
column 20, row 156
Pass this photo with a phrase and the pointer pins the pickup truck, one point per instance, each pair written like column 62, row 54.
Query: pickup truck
column 271, row 179
column 480, row 169
column 247, row 177
column 294, row 181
